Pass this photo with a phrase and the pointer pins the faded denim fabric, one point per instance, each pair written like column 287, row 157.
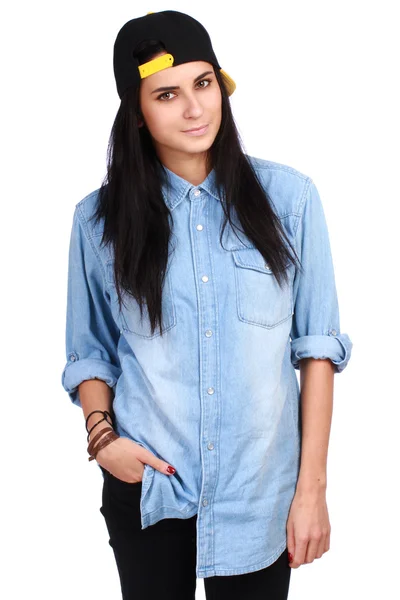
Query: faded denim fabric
column 217, row 396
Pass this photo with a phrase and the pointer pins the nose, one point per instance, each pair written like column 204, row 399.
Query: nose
column 193, row 107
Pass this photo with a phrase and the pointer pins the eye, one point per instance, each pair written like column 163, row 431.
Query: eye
column 162, row 96
column 203, row 80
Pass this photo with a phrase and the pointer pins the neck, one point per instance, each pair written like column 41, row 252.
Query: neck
column 190, row 167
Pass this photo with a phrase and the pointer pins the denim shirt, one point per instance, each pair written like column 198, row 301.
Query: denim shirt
column 217, row 396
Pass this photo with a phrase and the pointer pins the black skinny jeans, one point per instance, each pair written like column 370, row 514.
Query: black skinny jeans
column 158, row 563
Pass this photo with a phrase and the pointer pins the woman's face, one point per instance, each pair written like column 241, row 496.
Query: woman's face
column 195, row 100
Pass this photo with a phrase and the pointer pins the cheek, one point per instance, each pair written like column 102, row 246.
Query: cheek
column 214, row 103
column 159, row 122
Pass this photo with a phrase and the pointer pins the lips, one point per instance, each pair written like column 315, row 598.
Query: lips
column 197, row 132
column 196, row 128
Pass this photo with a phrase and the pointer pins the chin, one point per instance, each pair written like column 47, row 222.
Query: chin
column 200, row 144
column 197, row 148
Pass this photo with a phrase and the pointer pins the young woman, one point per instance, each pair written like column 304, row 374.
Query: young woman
column 200, row 279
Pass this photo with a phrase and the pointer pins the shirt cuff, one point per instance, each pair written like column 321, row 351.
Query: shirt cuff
column 336, row 347
column 88, row 368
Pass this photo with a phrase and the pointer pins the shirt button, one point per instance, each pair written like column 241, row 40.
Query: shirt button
column 267, row 266
column 204, row 278
column 210, row 446
column 205, row 502
column 208, row 333
column 197, row 192
column 199, row 227
column 210, row 390
column 72, row 357
column 333, row 332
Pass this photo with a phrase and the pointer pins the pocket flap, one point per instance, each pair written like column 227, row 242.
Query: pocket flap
column 251, row 258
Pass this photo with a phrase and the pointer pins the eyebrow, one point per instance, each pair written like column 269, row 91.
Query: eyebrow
column 177, row 87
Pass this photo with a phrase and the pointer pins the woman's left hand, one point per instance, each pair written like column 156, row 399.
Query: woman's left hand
column 308, row 527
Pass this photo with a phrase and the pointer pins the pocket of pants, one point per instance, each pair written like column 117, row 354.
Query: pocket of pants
column 125, row 483
column 115, row 480
column 259, row 298
column 120, row 505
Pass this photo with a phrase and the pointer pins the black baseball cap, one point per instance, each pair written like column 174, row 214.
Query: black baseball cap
column 184, row 39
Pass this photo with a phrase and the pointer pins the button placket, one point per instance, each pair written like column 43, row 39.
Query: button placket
column 209, row 374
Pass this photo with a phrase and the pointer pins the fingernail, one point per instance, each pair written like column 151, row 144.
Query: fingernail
column 170, row 469
column 290, row 557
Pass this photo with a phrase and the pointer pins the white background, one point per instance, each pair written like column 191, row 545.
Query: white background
column 316, row 90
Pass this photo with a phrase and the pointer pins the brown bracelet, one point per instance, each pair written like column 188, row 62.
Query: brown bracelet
column 110, row 437
column 105, row 441
column 97, row 437
column 94, row 441
column 98, row 422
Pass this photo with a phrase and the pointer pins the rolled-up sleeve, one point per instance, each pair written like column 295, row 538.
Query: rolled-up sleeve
column 315, row 331
column 91, row 332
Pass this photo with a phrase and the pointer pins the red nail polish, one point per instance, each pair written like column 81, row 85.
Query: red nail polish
column 290, row 557
column 170, row 469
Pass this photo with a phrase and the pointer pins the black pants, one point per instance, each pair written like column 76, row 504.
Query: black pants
column 159, row 561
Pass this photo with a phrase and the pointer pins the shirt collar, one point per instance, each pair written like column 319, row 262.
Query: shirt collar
column 175, row 188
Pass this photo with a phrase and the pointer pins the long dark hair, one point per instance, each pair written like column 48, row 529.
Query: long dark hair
column 137, row 221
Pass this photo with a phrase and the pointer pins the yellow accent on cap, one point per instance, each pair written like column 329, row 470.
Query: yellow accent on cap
column 157, row 64
column 150, row 13
column 167, row 60
column 228, row 81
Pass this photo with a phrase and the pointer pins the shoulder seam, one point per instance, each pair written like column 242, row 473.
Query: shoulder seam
column 271, row 166
column 302, row 204
column 86, row 197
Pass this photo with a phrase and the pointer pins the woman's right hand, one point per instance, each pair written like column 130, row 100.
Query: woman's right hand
column 125, row 459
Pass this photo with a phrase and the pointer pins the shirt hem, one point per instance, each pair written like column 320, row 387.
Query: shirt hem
column 165, row 512
column 212, row 571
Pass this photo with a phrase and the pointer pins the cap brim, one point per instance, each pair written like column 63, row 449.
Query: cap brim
column 228, row 81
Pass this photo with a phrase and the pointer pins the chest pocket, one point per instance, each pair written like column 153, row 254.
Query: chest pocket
column 260, row 301
column 131, row 320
